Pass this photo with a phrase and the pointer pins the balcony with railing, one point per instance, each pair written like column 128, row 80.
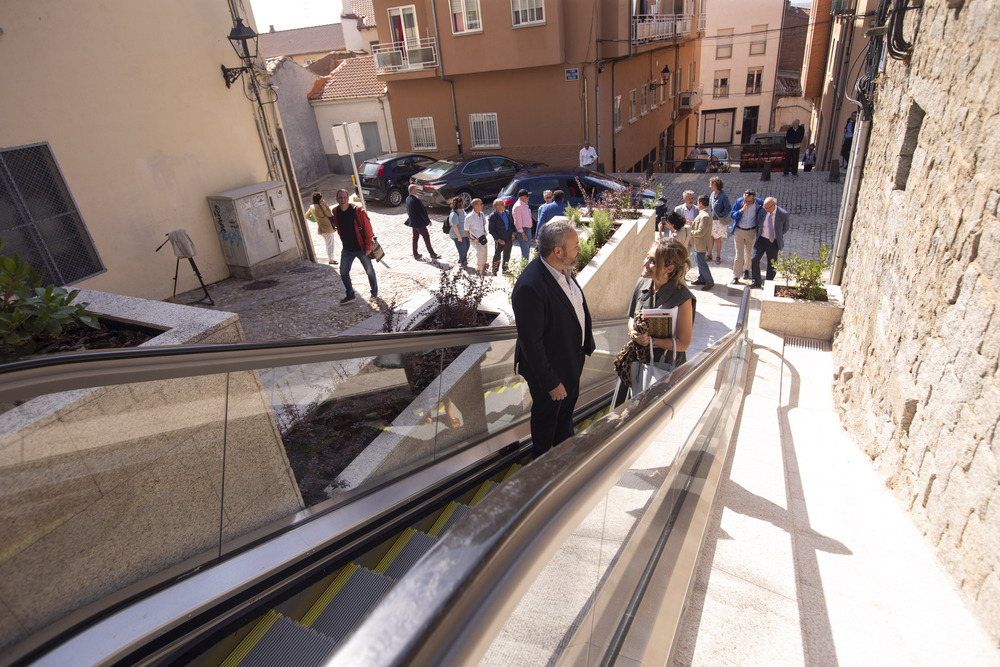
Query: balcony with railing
column 690, row 99
column 656, row 27
column 409, row 56
column 702, row 22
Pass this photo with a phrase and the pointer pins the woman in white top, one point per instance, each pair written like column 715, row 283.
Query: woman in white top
column 677, row 228
column 475, row 227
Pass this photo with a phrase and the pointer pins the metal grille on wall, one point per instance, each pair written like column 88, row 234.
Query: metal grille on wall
column 39, row 220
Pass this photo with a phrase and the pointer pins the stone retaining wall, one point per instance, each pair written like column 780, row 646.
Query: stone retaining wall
column 920, row 342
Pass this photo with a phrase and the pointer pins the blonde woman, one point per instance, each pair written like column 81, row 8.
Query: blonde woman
column 319, row 212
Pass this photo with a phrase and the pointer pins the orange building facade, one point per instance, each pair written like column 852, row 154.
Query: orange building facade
column 534, row 79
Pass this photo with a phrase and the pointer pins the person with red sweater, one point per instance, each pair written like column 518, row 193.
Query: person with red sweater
column 356, row 234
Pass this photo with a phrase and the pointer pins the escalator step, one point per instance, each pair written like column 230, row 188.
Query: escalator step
column 452, row 513
column 415, row 547
column 482, row 492
column 245, row 646
column 331, row 591
column 288, row 643
column 510, row 472
column 357, row 596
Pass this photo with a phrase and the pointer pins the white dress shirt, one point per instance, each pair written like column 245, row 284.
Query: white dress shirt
column 573, row 293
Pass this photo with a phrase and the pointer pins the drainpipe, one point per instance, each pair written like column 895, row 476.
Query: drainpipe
column 454, row 106
column 849, row 203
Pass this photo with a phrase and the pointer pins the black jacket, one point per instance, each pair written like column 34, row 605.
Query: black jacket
column 498, row 230
column 548, row 332
column 416, row 212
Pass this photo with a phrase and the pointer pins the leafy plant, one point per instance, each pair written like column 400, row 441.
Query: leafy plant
column 601, row 228
column 514, row 270
column 574, row 215
column 390, row 316
column 807, row 274
column 458, row 296
column 587, row 251
column 32, row 314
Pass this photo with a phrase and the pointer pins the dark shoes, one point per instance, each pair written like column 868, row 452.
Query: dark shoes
column 418, row 256
column 746, row 275
column 347, row 299
column 736, row 281
column 707, row 287
column 698, row 282
column 756, row 286
column 434, row 255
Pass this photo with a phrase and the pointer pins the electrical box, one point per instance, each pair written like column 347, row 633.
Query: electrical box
column 254, row 224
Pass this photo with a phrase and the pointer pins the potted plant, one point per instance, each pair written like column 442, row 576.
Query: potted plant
column 804, row 306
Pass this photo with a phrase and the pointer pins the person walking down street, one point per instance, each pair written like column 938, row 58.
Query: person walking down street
column 475, row 228
column 701, row 235
column 772, row 225
column 548, row 211
column 356, row 234
column 456, row 219
column 523, row 222
column 809, row 158
column 418, row 221
column 588, row 156
column 554, row 334
column 503, row 232
column 321, row 215
column 744, row 231
column 793, row 141
column 845, row 148
column 718, row 204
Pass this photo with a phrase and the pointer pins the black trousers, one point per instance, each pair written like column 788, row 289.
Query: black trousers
column 791, row 165
column 551, row 421
column 763, row 247
column 504, row 251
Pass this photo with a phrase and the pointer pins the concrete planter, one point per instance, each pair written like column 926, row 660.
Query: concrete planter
column 798, row 317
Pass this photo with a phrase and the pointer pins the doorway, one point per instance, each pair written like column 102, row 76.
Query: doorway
column 749, row 122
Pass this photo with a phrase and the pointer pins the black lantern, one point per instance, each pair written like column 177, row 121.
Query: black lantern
column 663, row 79
column 244, row 41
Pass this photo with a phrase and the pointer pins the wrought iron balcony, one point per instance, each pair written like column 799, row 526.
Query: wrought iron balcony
column 411, row 55
column 655, row 27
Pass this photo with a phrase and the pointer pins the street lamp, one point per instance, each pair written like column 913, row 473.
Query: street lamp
column 663, row 79
column 244, row 41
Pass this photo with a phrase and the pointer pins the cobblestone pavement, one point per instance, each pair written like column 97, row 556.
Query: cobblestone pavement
column 303, row 301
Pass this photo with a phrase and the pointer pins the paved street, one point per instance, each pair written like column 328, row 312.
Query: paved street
column 303, row 302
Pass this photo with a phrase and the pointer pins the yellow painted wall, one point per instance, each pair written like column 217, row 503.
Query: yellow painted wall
column 131, row 99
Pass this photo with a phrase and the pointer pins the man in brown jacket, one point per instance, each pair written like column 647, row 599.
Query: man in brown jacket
column 701, row 240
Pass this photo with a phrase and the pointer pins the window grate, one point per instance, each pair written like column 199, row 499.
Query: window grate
column 39, row 220
column 485, row 130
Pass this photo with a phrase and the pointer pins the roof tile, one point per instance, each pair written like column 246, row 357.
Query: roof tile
column 354, row 78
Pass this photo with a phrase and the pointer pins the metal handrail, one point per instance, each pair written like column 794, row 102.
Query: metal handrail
column 450, row 605
column 63, row 372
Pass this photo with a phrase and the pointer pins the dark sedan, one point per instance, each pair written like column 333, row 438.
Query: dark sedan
column 470, row 178
column 386, row 177
column 575, row 182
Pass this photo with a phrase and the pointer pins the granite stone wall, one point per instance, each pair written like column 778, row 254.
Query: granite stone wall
column 920, row 341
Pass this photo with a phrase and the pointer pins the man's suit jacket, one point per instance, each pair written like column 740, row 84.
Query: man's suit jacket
column 416, row 212
column 780, row 224
column 548, row 332
column 500, row 231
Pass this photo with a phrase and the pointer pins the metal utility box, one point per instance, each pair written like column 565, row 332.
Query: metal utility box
column 254, row 224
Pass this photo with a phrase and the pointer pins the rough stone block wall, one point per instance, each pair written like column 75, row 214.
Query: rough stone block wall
column 919, row 346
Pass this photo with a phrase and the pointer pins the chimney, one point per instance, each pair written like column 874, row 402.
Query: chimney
column 272, row 28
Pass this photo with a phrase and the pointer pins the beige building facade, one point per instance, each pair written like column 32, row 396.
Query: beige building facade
column 105, row 152
column 534, row 79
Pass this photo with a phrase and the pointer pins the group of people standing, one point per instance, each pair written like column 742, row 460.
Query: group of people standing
column 758, row 227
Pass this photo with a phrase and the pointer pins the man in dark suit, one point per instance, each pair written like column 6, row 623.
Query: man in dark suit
column 772, row 225
column 553, row 334
column 502, row 230
column 418, row 221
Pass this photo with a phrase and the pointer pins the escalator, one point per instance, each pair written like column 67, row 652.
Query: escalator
column 321, row 584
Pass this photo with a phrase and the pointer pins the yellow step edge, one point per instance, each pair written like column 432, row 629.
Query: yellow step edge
column 401, row 541
column 481, row 493
column 510, row 472
column 324, row 600
column 443, row 519
column 245, row 646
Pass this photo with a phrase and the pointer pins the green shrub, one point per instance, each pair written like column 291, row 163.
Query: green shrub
column 574, row 215
column 587, row 252
column 32, row 314
column 514, row 270
column 807, row 274
column 601, row 228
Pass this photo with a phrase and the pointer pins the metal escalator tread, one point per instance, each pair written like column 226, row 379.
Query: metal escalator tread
column 510, row 472
column 416, row 546
column 452, row 513
column 288, row 643
column 356, row 597
column 331, row 591
column 245, row 646
column 486, row 487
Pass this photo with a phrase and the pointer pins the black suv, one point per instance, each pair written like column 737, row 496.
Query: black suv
column 568, row 179
column 387, row 176
column 476, row 177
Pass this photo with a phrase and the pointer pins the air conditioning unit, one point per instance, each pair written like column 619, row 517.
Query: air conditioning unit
column 686, row 100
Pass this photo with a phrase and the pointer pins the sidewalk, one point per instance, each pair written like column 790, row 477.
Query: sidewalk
column 809, row 559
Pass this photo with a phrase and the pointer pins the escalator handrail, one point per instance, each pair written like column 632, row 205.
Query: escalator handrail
column 20, row 380
column 449, row 606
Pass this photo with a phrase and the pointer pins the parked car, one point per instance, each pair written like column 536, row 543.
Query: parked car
column 705, row 161
column 386, row 177
column 575, row 182
column 763, row 147
column 469, row 178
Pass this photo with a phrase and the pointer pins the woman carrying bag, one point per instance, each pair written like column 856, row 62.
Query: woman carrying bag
column 661, row 286
column 320, row 214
